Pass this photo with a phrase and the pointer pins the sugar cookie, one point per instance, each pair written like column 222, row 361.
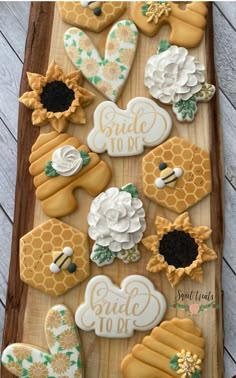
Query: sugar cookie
column 175, row 77
column 116, row 312
column 127, row 132
column 54, row 257
column 58, row 169
column 174, row 349
column 107, row 75
column 187, row 25
column 91, row 15
column 176, row 174
column 56, row 98
column 178, row 249
column 116, row 223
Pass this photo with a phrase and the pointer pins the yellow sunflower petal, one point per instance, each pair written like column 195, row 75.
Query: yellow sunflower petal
column 156, row 264
column 150, row 242
column 162, row 226
column 173, row 278
column 208, row 253
column 36, row 81
column 74, row 75
column 58, row 124
column 85, row 96
column 54, row 72
column 182, row 222
column 78, row 116
column 201, row 232
column 196, row 274
column 30, row 99
column 39, row 117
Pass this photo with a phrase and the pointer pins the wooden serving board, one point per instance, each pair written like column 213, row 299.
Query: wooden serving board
column 26, row 307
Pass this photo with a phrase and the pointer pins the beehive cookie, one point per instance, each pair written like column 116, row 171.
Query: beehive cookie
column 64, row 356
column 176, row 174
column 54, row 257
column 187, row 25
column 174, row 349
column 94, row 16
column 59, row 165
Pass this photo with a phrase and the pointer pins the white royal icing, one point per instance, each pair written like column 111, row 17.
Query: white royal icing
column 67, row 160
column 116, row 312
column 173, row 75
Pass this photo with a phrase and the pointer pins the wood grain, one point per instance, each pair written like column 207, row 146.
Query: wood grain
column 36, row 59
column 97, row 350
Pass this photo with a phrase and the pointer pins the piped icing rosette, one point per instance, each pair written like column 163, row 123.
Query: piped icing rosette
column 117, row 223
column 67, row 160
column 175, row 77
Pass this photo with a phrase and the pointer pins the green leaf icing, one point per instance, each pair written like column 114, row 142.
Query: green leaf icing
column 144, row 9
column 102, row 254
column 49, row 170
column 85, row 157
column 174, row 363
column 185, row 110
column 196, row 374
column 163, row 46
column 130, row 188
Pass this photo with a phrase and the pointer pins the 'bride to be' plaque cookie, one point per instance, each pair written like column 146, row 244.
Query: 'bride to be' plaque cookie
column 126, row 132
column 116, row 312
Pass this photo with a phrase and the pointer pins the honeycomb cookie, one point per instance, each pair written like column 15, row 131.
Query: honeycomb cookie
column 109, row 74
column 63, row 358
column 54, row 257
column 176, row 174
column 175, row 349
column 187, row 25
column 56, row 98
column 59, row 165
column 91, row 15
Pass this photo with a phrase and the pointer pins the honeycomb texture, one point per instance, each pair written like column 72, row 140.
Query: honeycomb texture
column 36, row 255
column 195, row 182
column 73, row 13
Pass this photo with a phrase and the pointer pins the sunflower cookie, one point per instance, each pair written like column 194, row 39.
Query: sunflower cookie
column 175, row 77
column 176, row 174
column 107, row 75
column 187, row 25
column 178, row 249
column 56, row 98
column 91, row 15
column 116, row 312
column 116, row 223
column 127, row 132
column 59, row 165
column 54, row 257
column 64, row 356
column 174, row 349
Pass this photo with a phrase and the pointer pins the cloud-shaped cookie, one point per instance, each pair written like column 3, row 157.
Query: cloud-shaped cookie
column 127, row 132
column 116, row 312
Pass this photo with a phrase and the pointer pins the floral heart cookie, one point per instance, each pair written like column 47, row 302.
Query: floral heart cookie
column 116, row 312
column 175, row 77
column 108, row 75
column 64, row 358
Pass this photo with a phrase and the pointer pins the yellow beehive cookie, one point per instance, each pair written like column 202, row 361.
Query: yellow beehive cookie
column 173, row 349
column 54, row 257
column 56, row 193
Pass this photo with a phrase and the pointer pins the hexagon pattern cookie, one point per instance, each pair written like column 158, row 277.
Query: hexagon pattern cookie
column 54, row 257
column 64, row 358
column 91, row 15
column 188, row 161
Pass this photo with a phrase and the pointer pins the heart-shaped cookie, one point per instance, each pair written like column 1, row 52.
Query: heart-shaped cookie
column 108, row 75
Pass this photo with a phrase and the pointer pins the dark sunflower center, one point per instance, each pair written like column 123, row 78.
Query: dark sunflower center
column 57, row 97
column 178, row 248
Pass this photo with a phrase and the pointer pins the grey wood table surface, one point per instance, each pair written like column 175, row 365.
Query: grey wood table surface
column 13, row 30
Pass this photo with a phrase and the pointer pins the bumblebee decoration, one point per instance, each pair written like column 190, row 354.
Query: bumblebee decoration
column 94, row 5
column 62, row 261
column 168, row 176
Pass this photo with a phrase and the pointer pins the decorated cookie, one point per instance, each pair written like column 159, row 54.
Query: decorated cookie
column 56, row 98
column 91, row 15
column 187, row 25
column 116, row 312
column 175, row 77
column 64, row 356
column 174, row 349
column 127, row 132
column 59, row 165
column 54, row 257
column 178, row 249
column 116, row 223
column 176, row 174
column 107, row 75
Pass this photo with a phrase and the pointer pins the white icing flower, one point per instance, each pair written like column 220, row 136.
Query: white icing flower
column 67, row 160
column 173, row 75
column 116, row 220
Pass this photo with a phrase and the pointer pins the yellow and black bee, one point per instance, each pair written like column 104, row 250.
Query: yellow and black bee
column 94, row 5
column 168, row 176
column 62, row 261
